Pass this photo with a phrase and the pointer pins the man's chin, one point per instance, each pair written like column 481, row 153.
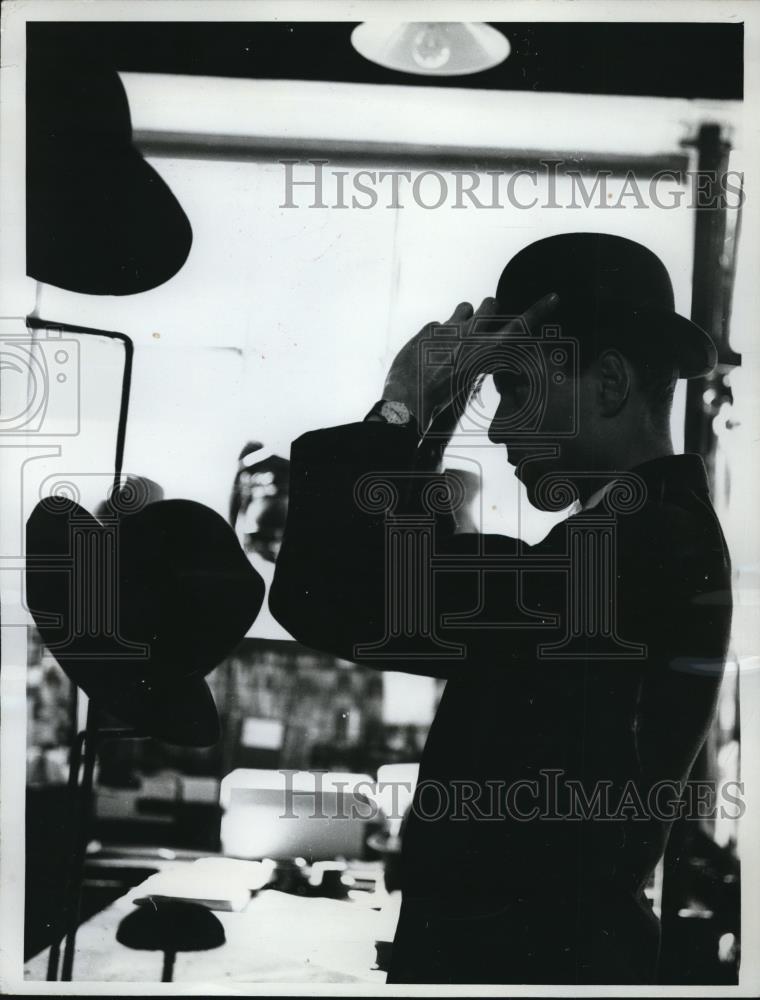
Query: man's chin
column 528, row 478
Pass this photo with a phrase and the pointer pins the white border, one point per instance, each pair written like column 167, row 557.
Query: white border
column 15, row 291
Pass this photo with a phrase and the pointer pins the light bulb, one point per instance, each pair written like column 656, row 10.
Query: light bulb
column 446, row 48
column 430, row 47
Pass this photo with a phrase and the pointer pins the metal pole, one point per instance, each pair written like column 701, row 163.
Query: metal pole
column 712, row 286
column 75, row 759
column 84, row 803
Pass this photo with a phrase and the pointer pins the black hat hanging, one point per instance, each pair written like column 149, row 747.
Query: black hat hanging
column 99, row 219
column 139, row 606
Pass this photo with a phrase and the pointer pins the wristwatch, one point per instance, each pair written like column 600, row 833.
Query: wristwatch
column 391, row 412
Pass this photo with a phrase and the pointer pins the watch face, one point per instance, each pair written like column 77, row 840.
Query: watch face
column 395, row 413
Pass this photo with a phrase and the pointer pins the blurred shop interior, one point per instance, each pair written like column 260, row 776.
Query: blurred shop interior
column 284, row 319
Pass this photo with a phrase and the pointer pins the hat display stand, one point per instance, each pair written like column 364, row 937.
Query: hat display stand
column 85, row 743
column 84, row 750
column 171, row 927
column 136, row 615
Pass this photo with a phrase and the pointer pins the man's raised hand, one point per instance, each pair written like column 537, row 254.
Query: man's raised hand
column 435, row 373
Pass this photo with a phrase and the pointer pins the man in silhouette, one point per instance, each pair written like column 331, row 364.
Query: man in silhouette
column 582, row 671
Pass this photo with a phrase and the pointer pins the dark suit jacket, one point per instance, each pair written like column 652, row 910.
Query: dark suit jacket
column 520, row 897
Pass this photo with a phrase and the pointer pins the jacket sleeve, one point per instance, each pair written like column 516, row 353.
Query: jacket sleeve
column 354, row 575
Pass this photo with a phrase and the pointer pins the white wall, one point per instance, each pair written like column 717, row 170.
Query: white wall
column 283, row 320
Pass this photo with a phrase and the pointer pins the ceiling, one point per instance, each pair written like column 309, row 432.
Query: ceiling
column 648, row 59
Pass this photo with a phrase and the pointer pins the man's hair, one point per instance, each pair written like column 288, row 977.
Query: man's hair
column 655, row 371
column 657, row 382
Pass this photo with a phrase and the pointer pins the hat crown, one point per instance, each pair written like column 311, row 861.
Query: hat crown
column 611, row 290
column 594, row 274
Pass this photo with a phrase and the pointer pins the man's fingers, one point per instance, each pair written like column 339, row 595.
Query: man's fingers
column 486, row 319
column 461, row 314
column 488, row 323
column 464, row 312
column 541, row 310
column 481, row 321
column 487, row 307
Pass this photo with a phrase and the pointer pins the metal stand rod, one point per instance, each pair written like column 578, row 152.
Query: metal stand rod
column 80, row 797
column 80, row 807
column 84, row 805
column 168, row 968
column 75, row 759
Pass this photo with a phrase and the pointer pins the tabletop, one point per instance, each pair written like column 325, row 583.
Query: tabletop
column 277, row 938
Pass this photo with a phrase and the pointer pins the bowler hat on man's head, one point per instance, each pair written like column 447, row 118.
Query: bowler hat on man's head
column 612, row 292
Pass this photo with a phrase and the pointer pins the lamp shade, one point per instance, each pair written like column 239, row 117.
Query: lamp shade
column 433, row 48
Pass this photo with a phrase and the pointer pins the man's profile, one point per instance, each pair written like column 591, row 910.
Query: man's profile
column 582, row 671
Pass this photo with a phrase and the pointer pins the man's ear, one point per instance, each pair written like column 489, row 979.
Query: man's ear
column 614, row 382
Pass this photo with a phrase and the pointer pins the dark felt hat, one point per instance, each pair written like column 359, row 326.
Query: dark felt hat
column 612, row 291
column 99, row 219
column 137, row 607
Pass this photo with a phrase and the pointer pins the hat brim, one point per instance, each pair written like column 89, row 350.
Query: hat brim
column 102, row 225
column 690, row 347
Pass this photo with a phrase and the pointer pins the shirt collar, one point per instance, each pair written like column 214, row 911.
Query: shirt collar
column 668, row 474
